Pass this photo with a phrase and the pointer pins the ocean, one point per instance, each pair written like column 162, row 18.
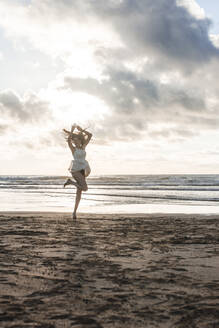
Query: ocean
column 113, row 194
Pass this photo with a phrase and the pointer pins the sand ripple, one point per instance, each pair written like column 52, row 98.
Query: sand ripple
column 109, row 271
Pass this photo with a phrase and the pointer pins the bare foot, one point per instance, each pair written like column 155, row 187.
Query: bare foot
column 74, row 216
column 67, row 182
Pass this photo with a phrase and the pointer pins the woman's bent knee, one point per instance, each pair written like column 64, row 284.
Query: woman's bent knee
column 84, row 187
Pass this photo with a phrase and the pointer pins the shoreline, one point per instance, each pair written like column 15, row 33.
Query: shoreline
column 91, row 214
column 115, row 209
column 108, row 270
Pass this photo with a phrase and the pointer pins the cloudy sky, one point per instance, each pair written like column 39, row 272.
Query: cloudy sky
column 141, row 74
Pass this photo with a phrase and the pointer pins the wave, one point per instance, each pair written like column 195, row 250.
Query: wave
column 40, row 192
column 124, row 180
column 104, row 196
column 57, row 187
column 161, row 187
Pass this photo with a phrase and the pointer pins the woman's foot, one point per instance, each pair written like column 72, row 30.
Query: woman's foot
column 74, row 216
column 67, row 182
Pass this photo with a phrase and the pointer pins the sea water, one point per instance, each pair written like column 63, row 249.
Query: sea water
column 113, row 194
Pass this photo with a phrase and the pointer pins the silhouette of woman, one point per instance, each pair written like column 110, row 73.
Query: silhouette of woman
column 79, row 167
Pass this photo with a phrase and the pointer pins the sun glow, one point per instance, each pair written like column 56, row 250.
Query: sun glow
column 69, row 107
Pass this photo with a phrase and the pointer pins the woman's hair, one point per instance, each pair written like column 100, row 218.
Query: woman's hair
column 78, row 136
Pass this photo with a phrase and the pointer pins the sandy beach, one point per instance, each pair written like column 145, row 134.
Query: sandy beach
column 109, row 270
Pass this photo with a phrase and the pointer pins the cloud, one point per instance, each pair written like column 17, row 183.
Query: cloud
column 3, row 128
column 215, row 39
column 144, row 59
column 165, row 30
column 27, row 109
column 193, row 8
column 58, row 29
column 137, row 103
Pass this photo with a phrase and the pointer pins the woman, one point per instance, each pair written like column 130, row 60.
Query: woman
column 79, row 167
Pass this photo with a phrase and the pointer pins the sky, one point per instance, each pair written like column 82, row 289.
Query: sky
column 141, row 75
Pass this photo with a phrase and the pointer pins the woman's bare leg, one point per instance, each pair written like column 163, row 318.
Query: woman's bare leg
column 82, row 187
column 70, row 182
column 80, row 180
column 77, row 201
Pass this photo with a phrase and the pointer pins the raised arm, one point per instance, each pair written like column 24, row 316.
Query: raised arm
column 69, row 141
column 88, row 134
column 69, row 138
column 72, row 130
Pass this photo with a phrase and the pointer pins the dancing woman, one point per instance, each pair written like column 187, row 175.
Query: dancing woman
column 79, row 167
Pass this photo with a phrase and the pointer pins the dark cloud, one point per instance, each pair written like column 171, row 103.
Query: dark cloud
column 160, row 29
column 173, row 40
column 164, row 29
column 136, row 102
column 27, row 109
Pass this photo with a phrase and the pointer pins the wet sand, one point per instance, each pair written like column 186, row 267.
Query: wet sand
column 109, row 271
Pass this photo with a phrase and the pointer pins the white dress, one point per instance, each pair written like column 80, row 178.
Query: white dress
column 79, row 162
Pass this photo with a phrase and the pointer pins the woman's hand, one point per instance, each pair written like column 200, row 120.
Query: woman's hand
column 79, row 128
column 66, row 131
column 73, row 127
